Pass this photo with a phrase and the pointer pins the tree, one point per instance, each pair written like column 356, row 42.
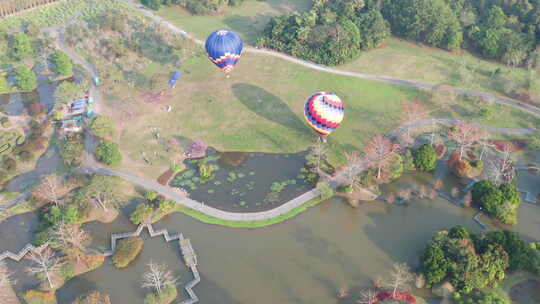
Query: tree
column 412, row 111
column 400, row 277
column 103, row 190
column 480, row 297
column 425, row 158
column 71, row 238
column 107, row 152
column 4, row 86
column 25, row 79
column 6, row 276
column 43, row 263
column 62, row 63
column 157, row 277
column 21, row 46
column 51, row 189
column 502, row 170
column 102, row 126
column 71, row 149
column 434, row 264
column 153, row 4
column 459, row 232
column 466, row 135
column 380, row 152
column 141, row 213
column 368, row 296
column 66, row 92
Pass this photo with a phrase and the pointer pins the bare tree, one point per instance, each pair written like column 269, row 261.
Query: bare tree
column 71, row 238
column 6, row 276
column 368, row 296
column 485, row 142
column 467, row 199
column 502, row 170
column 466, row 135
column 413, row 111
column 103, row 190
column 51, row 189
column 343, row 292
column 400, row 277
column 44, row 263
column 350, row 170
column 380, row 152
column 318, row 152
column 158, row 277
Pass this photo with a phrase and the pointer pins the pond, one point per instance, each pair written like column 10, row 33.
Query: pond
column 244, row 182
column 303, row 260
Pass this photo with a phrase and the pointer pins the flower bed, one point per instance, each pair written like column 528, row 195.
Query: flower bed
column 403, row 296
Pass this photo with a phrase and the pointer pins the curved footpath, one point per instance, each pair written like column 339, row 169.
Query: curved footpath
column 90, row 165
column 501, row 100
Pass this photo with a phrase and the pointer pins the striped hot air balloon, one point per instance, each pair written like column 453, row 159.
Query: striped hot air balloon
column 224, row 49
column 324, row 112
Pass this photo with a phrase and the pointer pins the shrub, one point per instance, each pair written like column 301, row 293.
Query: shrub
column 71, row 149
column 425, row 158
column 25, row 79
column 326, row 191
column 107, row 152
column 480, row 297
column 500, row 201
column 141, row 213
column 4, row 86
column 102, row 126
column 167, row 206
column 126, row 251
column 168, row 294
column 21, row 46
column 34, row 296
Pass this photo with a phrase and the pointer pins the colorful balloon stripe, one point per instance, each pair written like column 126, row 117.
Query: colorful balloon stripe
column 324, row 112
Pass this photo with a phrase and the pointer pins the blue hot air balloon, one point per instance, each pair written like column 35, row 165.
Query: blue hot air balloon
column 224, row 49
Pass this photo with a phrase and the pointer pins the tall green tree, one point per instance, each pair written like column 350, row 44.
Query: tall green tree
column 107, row 152
column 102, row 126
column 62, row 63
column 21, row 46
column 4, row 86
column 25, row 79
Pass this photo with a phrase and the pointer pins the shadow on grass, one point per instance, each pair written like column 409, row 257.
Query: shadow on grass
column 268, row 106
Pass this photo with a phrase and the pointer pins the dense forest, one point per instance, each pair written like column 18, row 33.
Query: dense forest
column 336, row 31
column 197, row 7
column 470, row 261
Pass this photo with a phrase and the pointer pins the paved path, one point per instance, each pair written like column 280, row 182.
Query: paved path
column 501, row 100
column 90, row 165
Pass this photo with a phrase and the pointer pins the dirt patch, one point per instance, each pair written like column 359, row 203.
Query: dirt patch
column 526, row 292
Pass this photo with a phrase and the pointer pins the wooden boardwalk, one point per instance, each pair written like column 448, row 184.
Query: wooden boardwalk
column 188, row 253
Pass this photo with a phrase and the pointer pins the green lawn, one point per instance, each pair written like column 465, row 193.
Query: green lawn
column 60, row 12
column 260, row 108
column 248, row 20
column 408, row 60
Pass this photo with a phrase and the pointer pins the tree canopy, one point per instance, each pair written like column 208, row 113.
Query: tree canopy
column 21, row 46
column 107, row 152
column 25, row 79
column 102, row 126
column 425, row 158
column 500, row 201
column 62, row 63
column 472, row 261
column 504, row 30
column 66, row 92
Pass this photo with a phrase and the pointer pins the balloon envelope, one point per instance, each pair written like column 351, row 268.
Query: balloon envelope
column 224, row 49
column 324, row 112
